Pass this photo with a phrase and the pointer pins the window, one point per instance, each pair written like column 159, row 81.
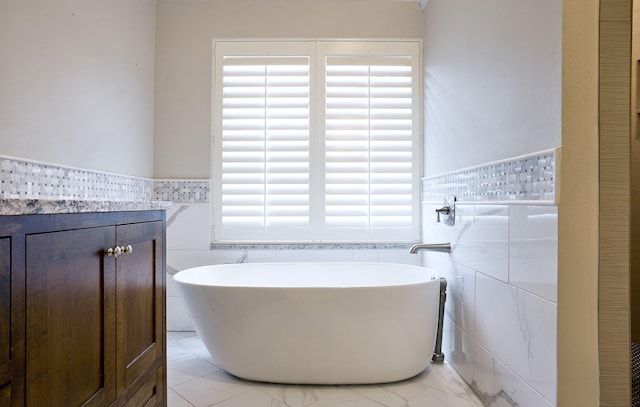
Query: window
column 316, row 141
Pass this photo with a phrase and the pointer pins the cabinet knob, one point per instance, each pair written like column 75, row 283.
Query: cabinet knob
column 115, row 252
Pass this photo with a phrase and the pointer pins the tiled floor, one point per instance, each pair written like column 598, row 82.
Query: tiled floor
column 194, row 379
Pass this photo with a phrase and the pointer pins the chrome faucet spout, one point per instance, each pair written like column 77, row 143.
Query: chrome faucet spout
column 437, row 247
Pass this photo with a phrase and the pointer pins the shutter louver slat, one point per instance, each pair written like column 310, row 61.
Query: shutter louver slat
column 265, row 142
column 369, row 122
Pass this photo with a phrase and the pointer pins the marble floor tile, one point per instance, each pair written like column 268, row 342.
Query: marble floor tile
column 175, row 400
column 195, row 379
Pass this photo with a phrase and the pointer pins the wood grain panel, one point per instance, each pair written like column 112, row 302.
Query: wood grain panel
column 140, row 284
column 62, row 305
column 150, row 392
column 5, row 396
column 614, row 231
column 5, row 311
column 615, row 10
column 70, row 326
column 635, row 178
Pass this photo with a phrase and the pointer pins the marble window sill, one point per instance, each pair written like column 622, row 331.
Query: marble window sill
column 307, row 246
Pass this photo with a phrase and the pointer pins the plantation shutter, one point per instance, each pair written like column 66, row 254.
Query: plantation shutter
column 369, row 142
column 316, row 141
column 265, row 142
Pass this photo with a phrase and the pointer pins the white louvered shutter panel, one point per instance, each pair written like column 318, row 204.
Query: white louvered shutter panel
column 369, row 126
column 316, row 141
column 265, row 143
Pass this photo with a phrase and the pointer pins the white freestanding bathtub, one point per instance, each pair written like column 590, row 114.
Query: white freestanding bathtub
column 315, row 323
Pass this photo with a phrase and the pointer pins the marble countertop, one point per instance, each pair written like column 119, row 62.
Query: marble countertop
column 55, row 206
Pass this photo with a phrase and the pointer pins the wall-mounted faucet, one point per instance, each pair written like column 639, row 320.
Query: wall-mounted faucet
column 448, row 210
column 436, row 247
column 444, row 210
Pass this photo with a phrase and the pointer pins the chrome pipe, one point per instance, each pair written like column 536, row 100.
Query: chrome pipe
column 438, row 355
column 437, row 247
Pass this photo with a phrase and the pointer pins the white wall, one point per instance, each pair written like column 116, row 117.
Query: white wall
column 185, row 30
column 76, row 83
column 493, row 91
column 492, row 80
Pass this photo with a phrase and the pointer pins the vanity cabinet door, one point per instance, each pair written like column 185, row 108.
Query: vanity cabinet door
column 70, row 324
column 150, row 392
column 140, row 308
column 5, row 322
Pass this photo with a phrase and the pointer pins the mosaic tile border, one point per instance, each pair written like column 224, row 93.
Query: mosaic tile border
column 22, row 179
column 182, row 191
column 526, row 178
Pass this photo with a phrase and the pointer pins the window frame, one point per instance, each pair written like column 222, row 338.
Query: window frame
column 316, row 50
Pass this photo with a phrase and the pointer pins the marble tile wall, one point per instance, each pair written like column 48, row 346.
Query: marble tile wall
column 189, row 241
column 501, row 311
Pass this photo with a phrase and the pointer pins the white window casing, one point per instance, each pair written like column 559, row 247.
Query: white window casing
column 316, row 141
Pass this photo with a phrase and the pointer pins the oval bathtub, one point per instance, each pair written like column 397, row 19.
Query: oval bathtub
column 315, row 323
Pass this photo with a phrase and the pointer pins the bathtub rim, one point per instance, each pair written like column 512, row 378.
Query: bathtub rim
column 430, row 275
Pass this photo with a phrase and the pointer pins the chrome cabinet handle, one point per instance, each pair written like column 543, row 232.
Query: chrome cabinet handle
column 117, row 251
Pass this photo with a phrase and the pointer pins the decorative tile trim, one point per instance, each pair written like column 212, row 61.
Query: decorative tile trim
column 525, row 178
column 21, row 179
column 182, row 191
column 24, row 179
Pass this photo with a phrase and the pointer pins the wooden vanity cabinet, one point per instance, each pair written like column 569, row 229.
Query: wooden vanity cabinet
column 5, row 322
column 94, row 331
